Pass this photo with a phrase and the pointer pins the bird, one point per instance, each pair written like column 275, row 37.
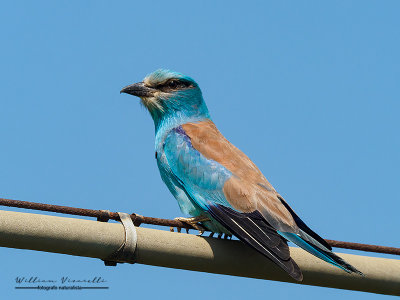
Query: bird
column 217, row 184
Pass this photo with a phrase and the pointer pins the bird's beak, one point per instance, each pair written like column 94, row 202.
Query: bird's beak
column 138, row 89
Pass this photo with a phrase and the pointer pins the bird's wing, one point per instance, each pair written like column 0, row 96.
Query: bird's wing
column 247, row 190
column 229, row 199
column 223, row 181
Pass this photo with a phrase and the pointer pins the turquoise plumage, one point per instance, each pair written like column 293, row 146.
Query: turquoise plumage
column 216, row 183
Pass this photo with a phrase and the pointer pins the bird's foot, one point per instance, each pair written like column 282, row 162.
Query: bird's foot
column 192, row 222
column 228, row 236
column 224, row 236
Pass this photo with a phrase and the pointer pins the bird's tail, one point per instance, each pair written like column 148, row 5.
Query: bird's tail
column 314, row 244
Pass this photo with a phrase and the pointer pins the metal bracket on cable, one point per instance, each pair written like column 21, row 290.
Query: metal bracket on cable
column 126, row 252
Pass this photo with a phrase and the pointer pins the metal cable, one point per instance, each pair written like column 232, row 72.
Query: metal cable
column 138, row 219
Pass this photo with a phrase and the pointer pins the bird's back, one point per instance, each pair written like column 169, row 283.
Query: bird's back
column 247, row 190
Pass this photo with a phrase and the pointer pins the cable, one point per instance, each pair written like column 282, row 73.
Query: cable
column 138, row 219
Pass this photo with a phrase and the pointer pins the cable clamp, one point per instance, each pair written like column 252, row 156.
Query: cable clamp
column 126, row 252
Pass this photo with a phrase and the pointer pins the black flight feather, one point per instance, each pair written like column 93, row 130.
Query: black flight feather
column 254, row 230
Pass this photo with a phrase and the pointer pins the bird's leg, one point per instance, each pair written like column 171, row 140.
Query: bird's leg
column 194, row 223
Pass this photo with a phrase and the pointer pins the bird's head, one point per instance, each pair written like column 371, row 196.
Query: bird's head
column 170, row 96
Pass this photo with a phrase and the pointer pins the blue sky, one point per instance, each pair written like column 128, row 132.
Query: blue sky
column 308, row 90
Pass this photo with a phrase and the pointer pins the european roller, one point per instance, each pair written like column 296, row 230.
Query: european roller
column 215, row 182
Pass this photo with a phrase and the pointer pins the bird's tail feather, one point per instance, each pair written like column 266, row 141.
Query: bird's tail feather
column 313, row 243
column 312, row 246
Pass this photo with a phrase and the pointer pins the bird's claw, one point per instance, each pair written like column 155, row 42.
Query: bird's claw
column 192, row 222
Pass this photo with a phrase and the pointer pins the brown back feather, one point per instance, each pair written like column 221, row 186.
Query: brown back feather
column 247, row 190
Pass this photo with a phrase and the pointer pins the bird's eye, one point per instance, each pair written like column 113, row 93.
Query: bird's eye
column 173, row 84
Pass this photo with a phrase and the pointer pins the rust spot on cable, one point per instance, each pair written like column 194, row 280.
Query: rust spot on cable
column 138, row 219
column 364, row 247
column 99, row 214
